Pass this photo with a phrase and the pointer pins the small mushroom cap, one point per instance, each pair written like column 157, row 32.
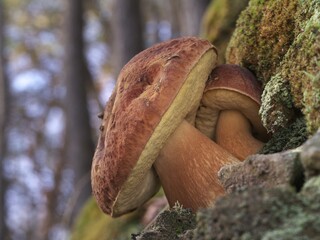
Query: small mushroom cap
column 230, row 87
column 235, row 78
column 147, row 105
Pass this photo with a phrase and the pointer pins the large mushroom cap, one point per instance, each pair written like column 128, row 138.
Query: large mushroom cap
column 155, row 91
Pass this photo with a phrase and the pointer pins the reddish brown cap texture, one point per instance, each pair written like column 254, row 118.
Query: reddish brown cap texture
column 235, row 78
column 230, row 87
column 146, row 87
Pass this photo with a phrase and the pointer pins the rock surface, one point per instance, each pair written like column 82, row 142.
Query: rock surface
column 310, row 156
column 263, row 171
column 257, row 213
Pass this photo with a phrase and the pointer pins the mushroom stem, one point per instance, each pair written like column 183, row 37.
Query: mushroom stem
column 234, row 133
column 188, row 165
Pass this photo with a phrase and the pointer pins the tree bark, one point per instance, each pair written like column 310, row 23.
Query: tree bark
column 191, row 15
column 79, row 145
column 3, row 122
column 128, row 31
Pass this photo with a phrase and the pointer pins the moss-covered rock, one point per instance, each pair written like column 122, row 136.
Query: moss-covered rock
column 277, row 108
column 287, row 138
column 219, row 22
column 311, row 99
column 264, row 33
column 310, row 156
column 278, row 213
column 280, row 42
column 264, row 171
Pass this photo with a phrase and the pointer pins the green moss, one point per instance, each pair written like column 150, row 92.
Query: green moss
column 280, row 42
column 219, row 22
column 277, row 106
column 311, row 99
column 264, row 32
column 302, row 61
column 92, row 224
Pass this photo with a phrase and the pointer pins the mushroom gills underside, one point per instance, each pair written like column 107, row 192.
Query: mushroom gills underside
column 218, row 100
column 142, row 193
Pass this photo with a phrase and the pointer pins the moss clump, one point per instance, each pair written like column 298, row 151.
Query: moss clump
column 277, row 106
column 92, row 224
column 287, row 138
column 300, row 66
column 219, row 23
column 264, row 33
column 311, row 99
column 280, row 42
column 170, row 224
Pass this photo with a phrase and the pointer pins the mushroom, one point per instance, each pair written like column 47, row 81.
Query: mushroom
column 188, row 165
column 229, row 111
column 148, row 135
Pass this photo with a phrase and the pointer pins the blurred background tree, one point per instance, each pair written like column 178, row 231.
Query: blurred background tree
column 76, row 77
column 127, row 32
column 4, row 108
column 58, row 64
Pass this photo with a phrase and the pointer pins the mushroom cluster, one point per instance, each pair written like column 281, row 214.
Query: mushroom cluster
column 167, row 124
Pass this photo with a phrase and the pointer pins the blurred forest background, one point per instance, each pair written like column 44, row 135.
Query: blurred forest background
column 58, row 64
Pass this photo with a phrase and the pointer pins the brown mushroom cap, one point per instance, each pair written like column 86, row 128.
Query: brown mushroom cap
column 230, row 87
column 147, row 105
column 229, row 111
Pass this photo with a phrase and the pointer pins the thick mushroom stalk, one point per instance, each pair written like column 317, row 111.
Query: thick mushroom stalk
column 229, row 111
column 234, row 133
column 188, row 165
